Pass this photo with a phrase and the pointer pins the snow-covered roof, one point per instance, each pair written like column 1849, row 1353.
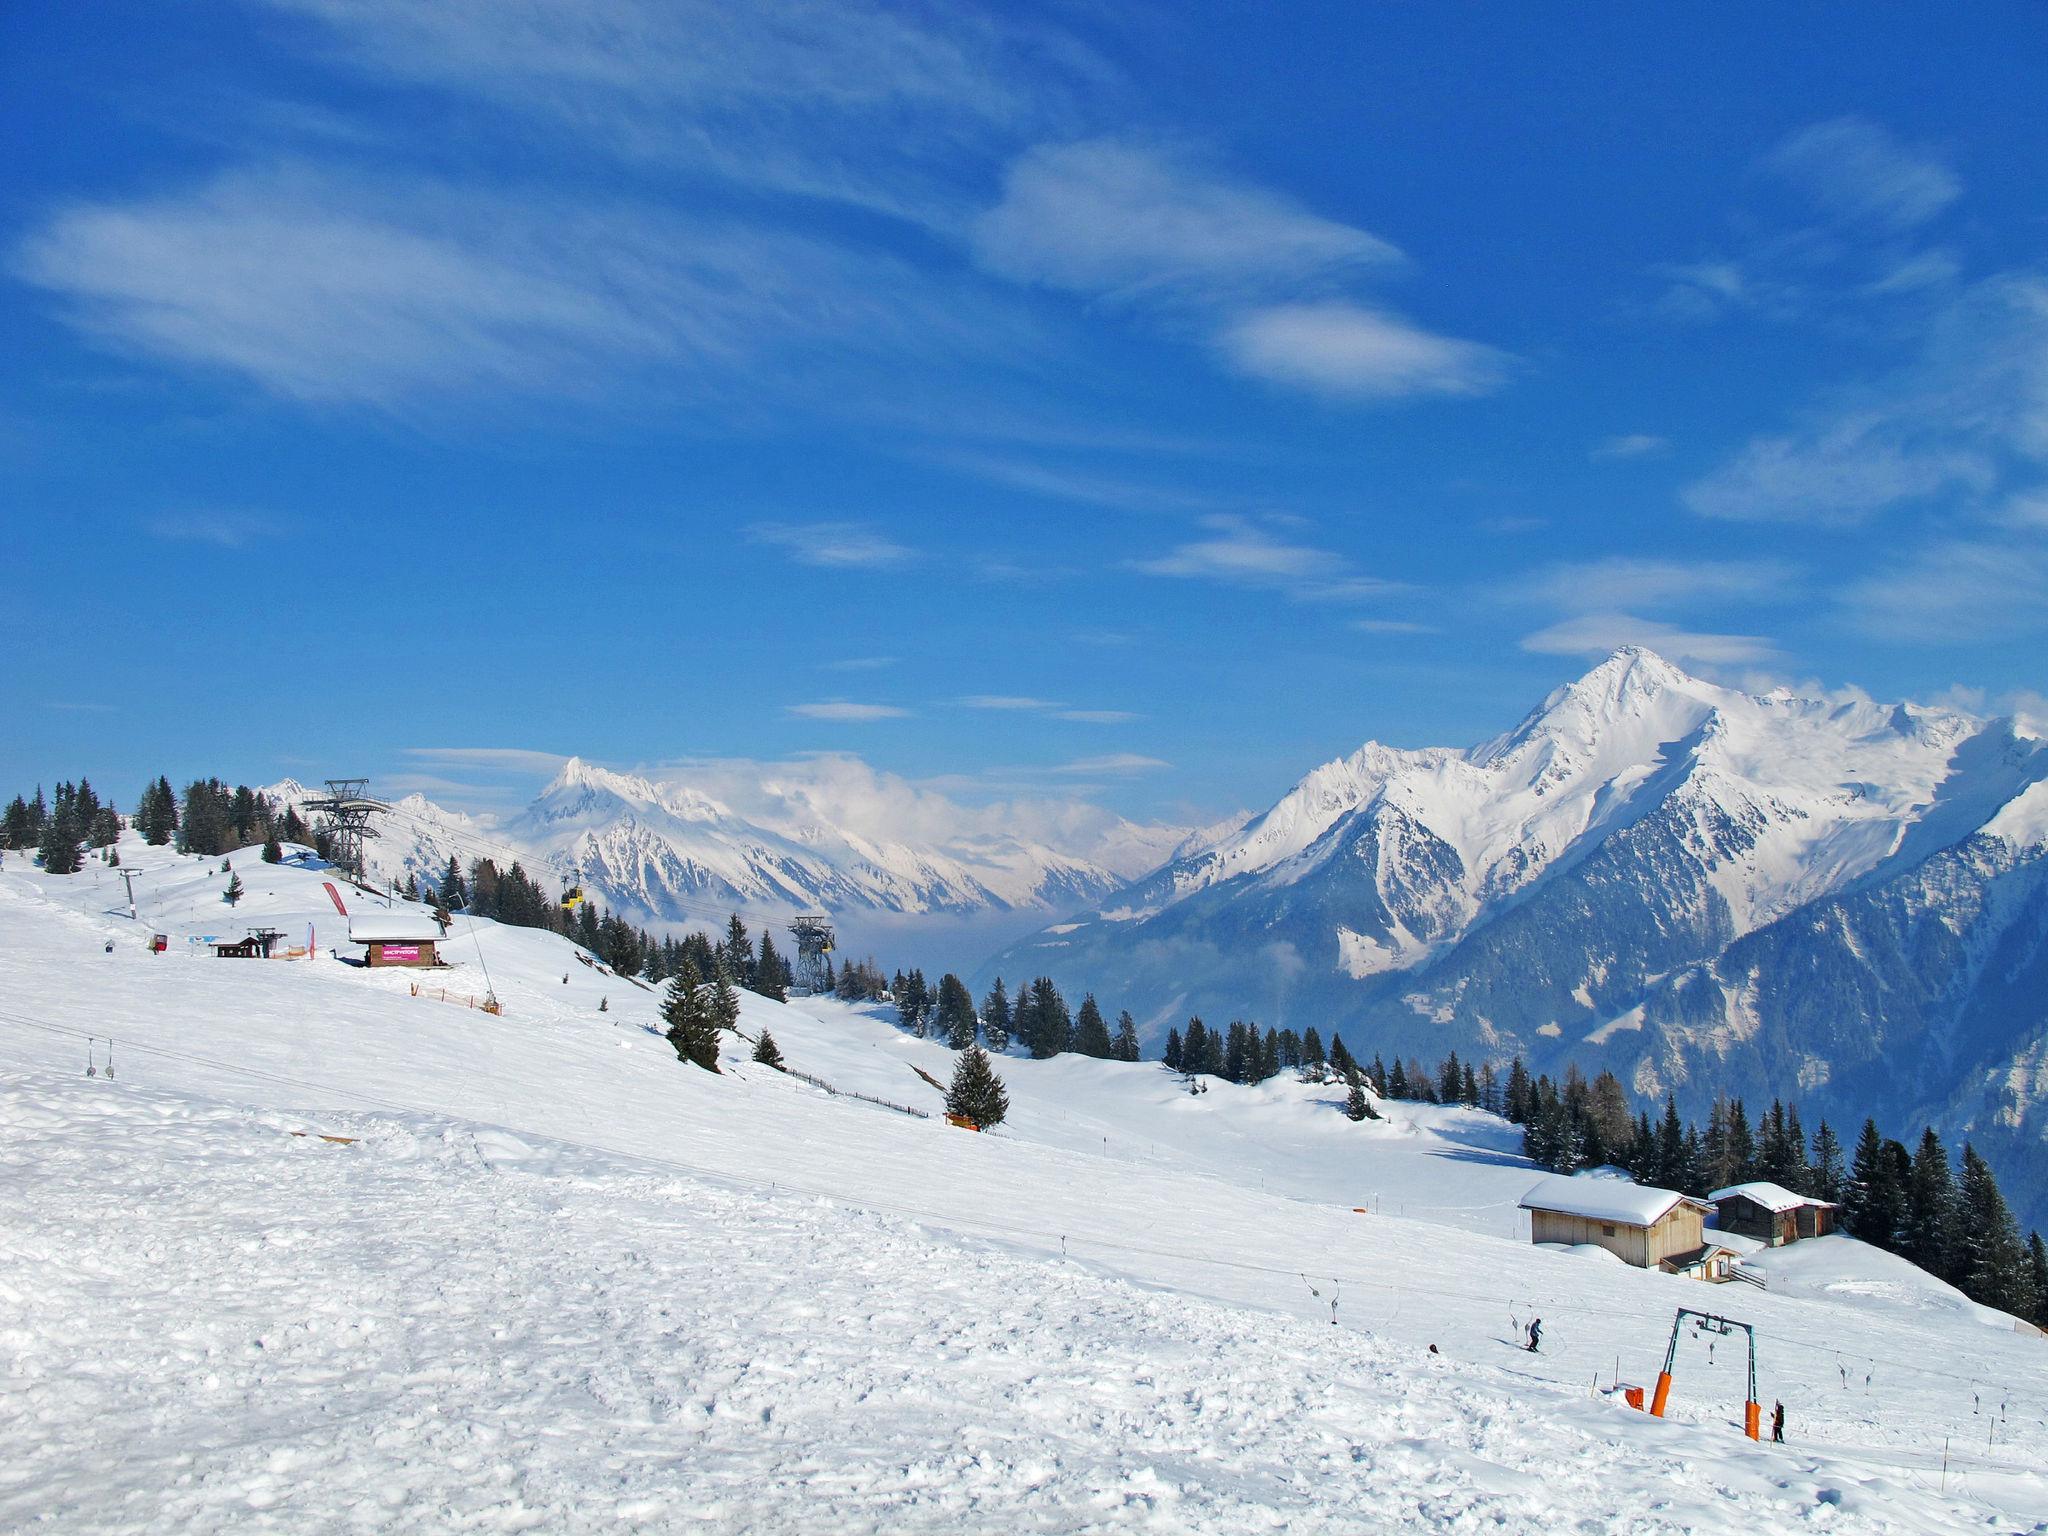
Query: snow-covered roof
column 1772, row 1197
column 392, row 928
column 1637, row 1205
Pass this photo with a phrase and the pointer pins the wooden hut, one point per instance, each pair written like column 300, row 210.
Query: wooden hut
column 396, row 938
column 1772, row 1213
column 1639, row 1225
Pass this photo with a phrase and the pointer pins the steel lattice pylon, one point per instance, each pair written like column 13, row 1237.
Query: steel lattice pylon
column 814, row 939
column 348, row 808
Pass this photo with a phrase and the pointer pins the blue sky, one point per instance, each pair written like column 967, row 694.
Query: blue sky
column 1136, row 405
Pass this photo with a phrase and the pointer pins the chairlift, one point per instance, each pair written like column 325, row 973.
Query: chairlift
column 572, row 898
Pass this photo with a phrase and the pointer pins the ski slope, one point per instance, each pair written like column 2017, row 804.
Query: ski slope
column 559, row 1281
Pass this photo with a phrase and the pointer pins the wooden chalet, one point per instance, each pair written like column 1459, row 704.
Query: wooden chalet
column 1772, row 1213
column 396, row 938
column 1639, row 1225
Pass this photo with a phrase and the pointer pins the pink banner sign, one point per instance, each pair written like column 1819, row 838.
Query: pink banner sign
column 401, row 951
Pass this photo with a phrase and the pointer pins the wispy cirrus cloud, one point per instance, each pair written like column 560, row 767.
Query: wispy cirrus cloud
column 1239, row 552
column 1620, row 581
column 1955, row 592
column 1130, row 220
column 510, row 759
column 227, row 530
column 1018, row 703
column 1112, row 763
column 833, row 544
column 1629, row 445
column 1597, row 634
column 1142, row 224
column 846, row 711
column 1336, row 347
column 1857, row 171
column 1952, row 420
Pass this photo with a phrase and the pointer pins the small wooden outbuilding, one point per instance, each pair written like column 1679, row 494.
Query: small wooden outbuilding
column 396, row 938
column 1772, row 1213
column 1637, row 1224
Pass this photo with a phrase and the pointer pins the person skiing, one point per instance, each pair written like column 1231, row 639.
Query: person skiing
column 1777, row 1424
column 1535, row 1335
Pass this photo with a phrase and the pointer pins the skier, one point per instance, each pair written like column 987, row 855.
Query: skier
column 1778, row 1424
column 1535, row 1335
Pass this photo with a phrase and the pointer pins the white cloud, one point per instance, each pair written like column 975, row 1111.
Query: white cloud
column 1841, row 473
column 1856, row 171
column 1393, row 627
column 1112, row 763
column 1111, row 216
column 1598, row 634
column 1006, row 701
column 766, row 95
column 833, row 544
column 509, row 759
column 228, row 530
column 1618, row 582
column 1097, row 716
column 1975, row 399
column 1960, row 592
column 1336, row 347
column 334, row 289
column 1241, row 553
column 860, row 664
column 846, row 711
column 1630, row 445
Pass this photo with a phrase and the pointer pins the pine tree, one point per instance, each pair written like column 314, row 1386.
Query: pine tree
column 1091, row 1031
column 913, row 1004
column 1989, row 1261
column 59, row 842
column 273, row 851
column 1340, row 1057
column 233, row 894
column 771, row 978
column 767, row 1052
column 452, row 894
column 2037, row 1264
column 1051, row 1029
column 1312, row 1049
column 1173, row 1055
column 1397, row 1083
column 1515, row 1102
column 691, row 1028
column 1932, row 1211
column 995, row 1018
column 976, row 1093
column 1125, row 1047
column 955, row 1012
column 725, row 1003
column 1830, row 1180
column 739, row 952
column 1356, row 1105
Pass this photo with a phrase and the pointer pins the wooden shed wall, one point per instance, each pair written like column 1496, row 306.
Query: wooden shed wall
column 1680, row 1230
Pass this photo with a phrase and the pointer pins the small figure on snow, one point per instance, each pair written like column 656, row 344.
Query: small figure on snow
column 1535, row 1336
column 1778, row 1424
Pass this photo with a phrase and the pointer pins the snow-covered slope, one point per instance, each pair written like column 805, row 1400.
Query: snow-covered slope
column 560, row 1281
column 1554, row 890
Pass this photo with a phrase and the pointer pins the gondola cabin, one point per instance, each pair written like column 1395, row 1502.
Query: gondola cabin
column 396, row 938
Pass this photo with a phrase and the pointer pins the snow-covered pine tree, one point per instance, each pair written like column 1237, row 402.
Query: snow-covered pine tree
column 976, row 1093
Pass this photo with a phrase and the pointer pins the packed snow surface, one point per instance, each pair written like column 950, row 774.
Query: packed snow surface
column 555, row 1280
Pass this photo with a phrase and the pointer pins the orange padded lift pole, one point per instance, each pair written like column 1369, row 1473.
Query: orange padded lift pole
column 1663, row 1394
column 1751, row 1412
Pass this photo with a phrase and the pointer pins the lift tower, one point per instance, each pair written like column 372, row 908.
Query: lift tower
column 814, row 939
column 348, row 808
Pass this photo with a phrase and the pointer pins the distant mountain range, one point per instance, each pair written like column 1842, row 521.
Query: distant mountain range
column 669, row 853
column 1830, row 900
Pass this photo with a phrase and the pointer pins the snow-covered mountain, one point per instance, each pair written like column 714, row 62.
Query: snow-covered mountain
column 1704, row 889
column 673, row 853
